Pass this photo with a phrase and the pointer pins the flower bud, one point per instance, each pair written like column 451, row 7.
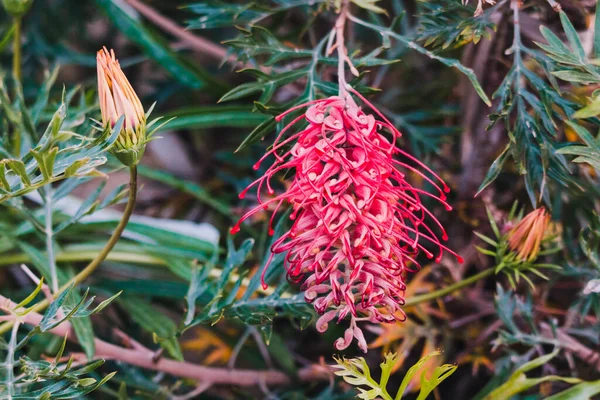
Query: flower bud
column 17, row 8
column 117, row 98
column 526, row 237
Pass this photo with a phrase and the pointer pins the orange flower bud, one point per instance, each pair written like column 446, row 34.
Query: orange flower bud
column 117, row 98
column 526, row 237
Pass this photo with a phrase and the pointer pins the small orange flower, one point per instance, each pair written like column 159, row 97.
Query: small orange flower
column 117, row 98
column 526, row 237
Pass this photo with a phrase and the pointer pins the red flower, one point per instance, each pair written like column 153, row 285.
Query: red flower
column 358, row 223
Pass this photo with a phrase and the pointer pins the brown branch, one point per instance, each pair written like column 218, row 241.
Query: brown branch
column 572, row 345
column 145, row 359
column 198, row 43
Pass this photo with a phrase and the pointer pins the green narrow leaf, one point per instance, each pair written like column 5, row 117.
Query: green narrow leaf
column 153, row 322
column 45, row 161
column 572, row 36
column 494, row 170
column 258, row 133
column 3, row 180
column 439, row 375
column 52, row 310
column 187, row 187
column 6, row 38
column 583, row 390
column 18, row 167
column 411, row 373
column 31, row 296
column 213, row 117
column 82, row 325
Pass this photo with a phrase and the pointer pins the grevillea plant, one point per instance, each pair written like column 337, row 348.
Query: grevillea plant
column 358, row 116
column 359, row 224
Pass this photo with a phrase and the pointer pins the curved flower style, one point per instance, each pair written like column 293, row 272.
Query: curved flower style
column 117, row 98
column 526, row 237
column 358, row 223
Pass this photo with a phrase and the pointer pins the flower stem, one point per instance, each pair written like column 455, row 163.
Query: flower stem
column 340, row 24
column 449, row 289
column 17, row 49
column 91, row 267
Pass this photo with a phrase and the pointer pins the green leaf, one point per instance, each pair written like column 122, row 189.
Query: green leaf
column 572, row 36
column 589, row 111
column 212, row 117
column 370, row 5
column 31, row 296
column 411, row 373
column 584, row 134
column 188, row 187
column 85, row 335
column 583, row 390
column 45, row 162
column 18, row 167
column 439, row 375
column 258, row 133
column 518, row 382
column 575, row 76
column 154, row 322
column 494, row 170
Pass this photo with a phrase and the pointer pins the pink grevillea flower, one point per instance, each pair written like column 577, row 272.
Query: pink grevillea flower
column 358, row 223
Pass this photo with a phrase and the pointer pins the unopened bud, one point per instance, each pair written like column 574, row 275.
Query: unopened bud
column 117, row 99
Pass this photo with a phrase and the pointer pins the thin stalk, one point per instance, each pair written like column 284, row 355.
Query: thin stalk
column 17, row 49
column 10, row 361
column 413, row 301
column 50, row 239
column 340, row 25
column 17, row 76
column 517, row 44
column 91, row 267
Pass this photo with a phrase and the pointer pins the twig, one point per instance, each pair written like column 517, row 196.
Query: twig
column 143, row 359
column 570, row 344
column 200, row 44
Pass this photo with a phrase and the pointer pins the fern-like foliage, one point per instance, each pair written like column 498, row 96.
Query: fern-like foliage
column 532, row 109
column 43, row 379
column 356, row 372
column 231, row 296
column 450, row 24
column 59, row 153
